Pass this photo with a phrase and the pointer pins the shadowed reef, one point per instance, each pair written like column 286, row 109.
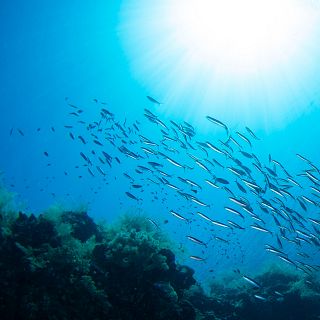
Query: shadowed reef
column 63, row 265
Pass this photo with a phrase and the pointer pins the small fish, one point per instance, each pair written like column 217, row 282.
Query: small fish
column 130, row 195
column 221, row 180
column 259, row 228
column 98, row 142
column 203, row 166
column 90, row 171
column 238, row 201
column 143, row 168
column 251, row 281
column 236, row 171
column 155, row 164
column 197, row 201
column 83, row 156
column 240, row 187
column 272, row 249
column 233, row 224
column 149, row 151
column 82, row 139
column 175, row 163
column 285, row 259
column 212, row 184
column 152, row 222
column 218, row 122
column 243, row 137
column 229, row 191
column 303, row 206
column 303, row 158
column 107, row 156
column 220, row 224
column 179, row 216
column 311, row 176
column 234, row 211
column 196, row 258
column 197, row 241
column 221, row 239
column 271, row 171
column 309, row 200
column 235, row 142
column 192, row 183
column 294, row 182
column 136, row 186
column 204, row 216
column 135, row 126
column 252, row 134
column 218, row 163
column 154, row 100
column 72, row 106
column 127, row 176
column 315, row 221
column 246, row 154
column 214, row 148
column 260, row 297
column 100, row 170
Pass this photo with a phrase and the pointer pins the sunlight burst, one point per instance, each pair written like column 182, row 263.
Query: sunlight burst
column 237, row 59
column 239, row 36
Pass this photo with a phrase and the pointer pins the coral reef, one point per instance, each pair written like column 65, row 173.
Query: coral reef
column 62, row 265
column 283, row 295
column 68, row 267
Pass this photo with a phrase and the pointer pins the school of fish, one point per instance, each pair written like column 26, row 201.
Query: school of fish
column 259, row 195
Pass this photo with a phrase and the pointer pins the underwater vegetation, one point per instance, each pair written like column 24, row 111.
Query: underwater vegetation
column 63, row 265
column 284, row 295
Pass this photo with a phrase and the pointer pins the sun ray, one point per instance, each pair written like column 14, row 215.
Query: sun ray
column 253, row 61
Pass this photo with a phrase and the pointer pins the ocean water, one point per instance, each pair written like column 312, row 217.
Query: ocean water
column 86, row 69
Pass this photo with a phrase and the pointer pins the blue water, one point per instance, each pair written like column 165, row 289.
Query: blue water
column 54, row 53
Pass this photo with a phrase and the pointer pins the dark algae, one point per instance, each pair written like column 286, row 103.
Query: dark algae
column 63, row 265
